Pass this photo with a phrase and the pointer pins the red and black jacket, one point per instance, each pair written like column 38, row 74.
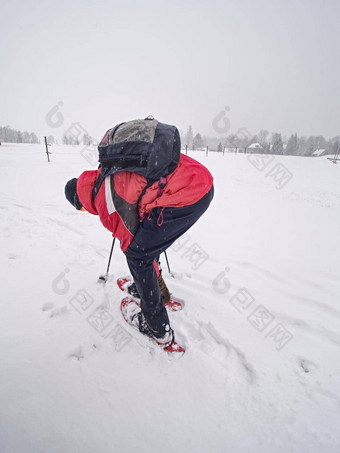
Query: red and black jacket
column 122, row 205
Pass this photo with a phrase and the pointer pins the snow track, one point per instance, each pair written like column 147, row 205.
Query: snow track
column 259, row 274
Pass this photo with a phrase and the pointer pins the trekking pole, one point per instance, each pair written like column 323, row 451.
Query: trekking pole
column 105, row 277
column 167, row 262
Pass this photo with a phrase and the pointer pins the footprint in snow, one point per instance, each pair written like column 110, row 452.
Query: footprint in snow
column 77, row 353
column 210, row 341
column 306, row 365
column 12, row 256
column 47, row 306
column 59, row 312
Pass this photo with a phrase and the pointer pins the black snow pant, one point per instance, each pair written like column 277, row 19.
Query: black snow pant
column 155, row 234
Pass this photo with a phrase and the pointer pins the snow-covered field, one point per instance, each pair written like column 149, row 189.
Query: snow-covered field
column 260, row 277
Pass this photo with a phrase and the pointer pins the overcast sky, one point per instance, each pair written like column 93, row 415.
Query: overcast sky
column 215, row 65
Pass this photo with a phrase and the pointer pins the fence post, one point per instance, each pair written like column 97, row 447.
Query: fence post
column 47, row 151
column 186, row 149
column 207, row 151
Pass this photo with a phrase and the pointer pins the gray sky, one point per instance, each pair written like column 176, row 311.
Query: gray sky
column 274, row 63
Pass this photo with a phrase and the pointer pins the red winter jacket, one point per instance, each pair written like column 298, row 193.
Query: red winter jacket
column 116, row 201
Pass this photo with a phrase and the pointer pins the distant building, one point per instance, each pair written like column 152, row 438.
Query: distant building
column 255, row 148
column 319, row 152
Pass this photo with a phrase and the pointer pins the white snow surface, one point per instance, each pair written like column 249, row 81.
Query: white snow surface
column 259, row 273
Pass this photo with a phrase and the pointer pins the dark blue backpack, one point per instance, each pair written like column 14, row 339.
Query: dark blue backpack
column 147, row 147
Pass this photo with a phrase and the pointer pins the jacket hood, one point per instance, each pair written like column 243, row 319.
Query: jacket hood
column 85, row 186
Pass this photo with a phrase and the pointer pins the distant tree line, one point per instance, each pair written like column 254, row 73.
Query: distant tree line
column 263, row 142
column 241, row 141
column 73, row 139
column 7, row 134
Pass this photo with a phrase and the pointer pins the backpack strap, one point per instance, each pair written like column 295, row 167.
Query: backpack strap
column 97, row 185
column 100, row 179
column 149, row 184
column 161, row 185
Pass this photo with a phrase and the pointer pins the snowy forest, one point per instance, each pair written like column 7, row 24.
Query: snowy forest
column 9, row 135
column 263, row 142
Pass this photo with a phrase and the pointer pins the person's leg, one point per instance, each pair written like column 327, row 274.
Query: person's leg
column 156, row 233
